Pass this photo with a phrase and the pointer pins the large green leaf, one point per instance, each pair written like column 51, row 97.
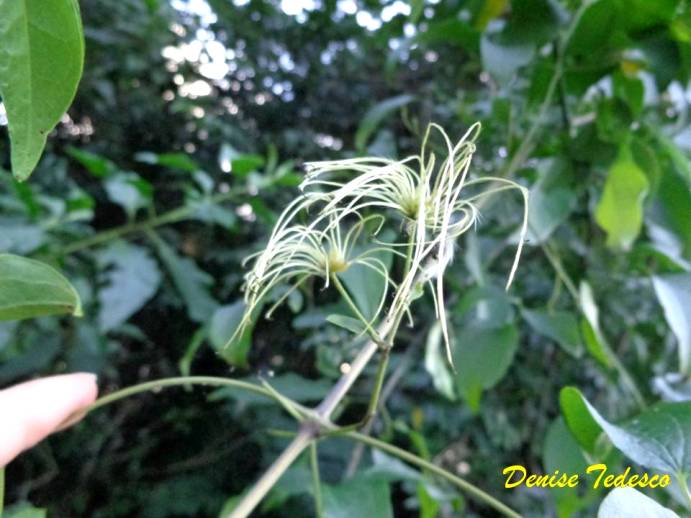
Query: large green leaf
column 674, row 293
column 131, row 280
column 623, row 502
column 657, row 438
column 358, row 497
column 375, row 115
column 41, row 59
column 482, row 356
column 620, row 210
column 30, row 288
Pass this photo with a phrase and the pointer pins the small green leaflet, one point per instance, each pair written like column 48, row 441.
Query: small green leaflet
column 32, row 289
column 41, row 60
column 620, row 210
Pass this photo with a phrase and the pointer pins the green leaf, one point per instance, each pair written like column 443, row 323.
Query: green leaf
column 131, row 281
column 179, row 161
column 436, row 364
column 192, row 283
column 239, row 164
column 623, row 502
column 562, row 452
column 353, row 325
column 674, row 200
column 560, row 326
column 97, row 165
column 31, row 288
column 551, row 201
column 358, row 497
column 591, row 36
column 224, row 321
column 674, row 293
column 583, row 427
column 129, row 191
column 630, row 90
column 656, row 438
column 620, row 210
column 482, row 356
column 532, row 21
column 502, row 60
column 366, row 286
column 595, row 341
column 25, row 510
column 41, row 60
column 375, row 115
column 451, row 31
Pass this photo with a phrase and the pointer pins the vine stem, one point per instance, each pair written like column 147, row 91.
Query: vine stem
column 316, row 481
column 149, row 386
column 433, row 468
column 528, row 142
column 167, row 218
column 308, row 430
column 2, row 490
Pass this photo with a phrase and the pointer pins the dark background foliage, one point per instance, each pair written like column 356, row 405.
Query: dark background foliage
column 209, row 111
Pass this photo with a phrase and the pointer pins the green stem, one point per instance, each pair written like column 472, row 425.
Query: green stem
column 150, row 386
column 167, row 218
column 378, row 384
column 316, row 481
column 555, row 261
column 528, row 142
column 2, row 490
column 624, row 375
column 462, row 484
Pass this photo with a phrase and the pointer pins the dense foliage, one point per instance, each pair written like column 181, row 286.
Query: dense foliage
column 185, row 141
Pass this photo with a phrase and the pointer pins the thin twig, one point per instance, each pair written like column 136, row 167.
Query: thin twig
column 167, row 218
column 316, row 481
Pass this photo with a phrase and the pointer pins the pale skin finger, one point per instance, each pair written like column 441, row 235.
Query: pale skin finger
column 33, row 410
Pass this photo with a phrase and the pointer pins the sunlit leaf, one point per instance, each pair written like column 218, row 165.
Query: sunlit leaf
column 655, row 438
column 620, row 210
column 41, row 58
